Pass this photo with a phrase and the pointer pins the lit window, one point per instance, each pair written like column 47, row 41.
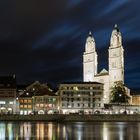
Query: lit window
column 25, row 106
column 29, row 101
column 37, row 105
column 41, row 105
column 21, row 101
column 11, row 103
column 2, row 102
column 75, row 88
column 21, row 112
column 50, row 105
column 25, row 101
column 21, row 106
column 29, row 106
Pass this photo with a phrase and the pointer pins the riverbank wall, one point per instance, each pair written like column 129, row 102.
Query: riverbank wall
column 73, row 118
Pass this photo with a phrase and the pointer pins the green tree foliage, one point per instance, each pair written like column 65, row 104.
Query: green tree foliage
column 118, row 93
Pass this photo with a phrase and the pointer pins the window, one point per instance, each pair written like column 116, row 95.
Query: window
column 2, row 102
column 21, row 101
column 11, row 103
column 78, row 105
column 63, row 104
column 29, row 101
column 25, row 106
column 78, row 99
column 21, row 106
column 29, row 106
column 25, row 101
column 114, row 65
column 72, row 104
column 41, row 105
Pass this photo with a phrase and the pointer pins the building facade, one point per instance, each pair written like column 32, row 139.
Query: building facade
column 38, row 98
column 7, row 94
column 25, row 103
column 80, row 97
column 115, row 59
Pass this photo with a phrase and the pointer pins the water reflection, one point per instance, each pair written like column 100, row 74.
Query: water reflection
column 25, row 130
column 69, row 131
column 2, row 131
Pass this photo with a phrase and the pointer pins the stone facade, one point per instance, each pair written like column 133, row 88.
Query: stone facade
column 38, row 98
column 80, row 97
column 115, row 59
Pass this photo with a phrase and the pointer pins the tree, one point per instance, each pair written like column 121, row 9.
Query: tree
column 118, row 93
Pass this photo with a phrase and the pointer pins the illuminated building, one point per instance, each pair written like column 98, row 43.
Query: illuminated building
column 80, row 97
column 38, row 98
column 25, row 103
column 7, row 94
column 115, row 59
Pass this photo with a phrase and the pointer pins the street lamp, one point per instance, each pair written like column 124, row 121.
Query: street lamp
column 118, row 100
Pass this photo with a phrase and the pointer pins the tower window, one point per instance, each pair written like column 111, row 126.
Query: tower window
column 114, row 65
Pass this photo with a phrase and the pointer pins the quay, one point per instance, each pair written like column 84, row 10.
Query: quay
column 74, row 118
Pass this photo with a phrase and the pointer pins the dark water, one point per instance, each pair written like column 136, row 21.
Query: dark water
column 69, row 131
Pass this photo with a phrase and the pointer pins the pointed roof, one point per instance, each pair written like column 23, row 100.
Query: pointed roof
column 116, row 28
column 103, row 71
column 90, row 34
column 90, row 38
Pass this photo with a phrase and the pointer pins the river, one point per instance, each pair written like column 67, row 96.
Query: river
column 69, row 131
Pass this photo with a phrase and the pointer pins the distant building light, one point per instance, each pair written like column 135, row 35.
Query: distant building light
column 69, row 106
column 75, row 88
column 11, row 103
column 2, row 108
column 2, row 102
column 9, row 109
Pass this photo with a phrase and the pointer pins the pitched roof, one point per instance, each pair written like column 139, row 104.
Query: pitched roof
column 102, row 73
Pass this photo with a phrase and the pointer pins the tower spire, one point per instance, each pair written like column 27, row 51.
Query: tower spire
column 116, row 26
column 90, row 34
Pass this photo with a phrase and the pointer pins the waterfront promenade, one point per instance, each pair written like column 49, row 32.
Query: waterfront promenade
column 73, row 118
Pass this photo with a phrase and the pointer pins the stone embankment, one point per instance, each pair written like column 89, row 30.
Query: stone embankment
column 73, row 118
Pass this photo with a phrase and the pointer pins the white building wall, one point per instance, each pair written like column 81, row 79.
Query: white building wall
column 105, row 80
column 115, row 59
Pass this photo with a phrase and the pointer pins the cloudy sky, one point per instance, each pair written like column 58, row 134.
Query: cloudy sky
column 45, row 40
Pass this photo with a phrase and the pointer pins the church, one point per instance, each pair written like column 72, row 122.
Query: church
column 115, row 63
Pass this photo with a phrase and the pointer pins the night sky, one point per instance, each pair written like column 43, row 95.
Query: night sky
column 45, row 40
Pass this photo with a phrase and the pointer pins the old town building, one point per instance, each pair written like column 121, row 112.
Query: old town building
column 80, row 97
column 38, row 99
column 115, row 59
column 7, row 94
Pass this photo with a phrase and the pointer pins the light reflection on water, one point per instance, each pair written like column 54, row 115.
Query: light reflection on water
column 69, row 131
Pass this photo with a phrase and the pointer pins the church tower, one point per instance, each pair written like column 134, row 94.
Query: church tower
column 90, row 59
column 116, row 57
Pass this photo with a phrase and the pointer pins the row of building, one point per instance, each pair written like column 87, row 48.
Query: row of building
column 78, row 97
column 38, row 98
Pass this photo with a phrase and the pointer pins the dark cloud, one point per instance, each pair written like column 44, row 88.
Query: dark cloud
column 45, row 40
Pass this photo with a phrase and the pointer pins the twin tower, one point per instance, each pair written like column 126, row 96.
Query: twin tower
column 115, row 59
